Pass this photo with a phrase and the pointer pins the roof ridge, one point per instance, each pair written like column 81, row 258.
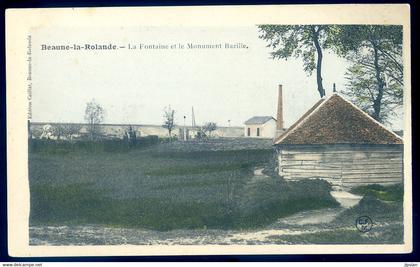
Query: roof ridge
column 265, row 118
column 287, row 133
column 262, row 117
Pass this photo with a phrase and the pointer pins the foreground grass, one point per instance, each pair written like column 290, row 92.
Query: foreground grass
column 381, row 235
column 386, row 216
column 165, row 190
column 385, row 193
column 77, row 204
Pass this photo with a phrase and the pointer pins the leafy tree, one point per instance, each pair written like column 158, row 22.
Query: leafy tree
column 209, row 127
column 375, row 77
column 299, row 41
column 47, row 131
column 169, row 120
column 94, row 115
column 365, row 91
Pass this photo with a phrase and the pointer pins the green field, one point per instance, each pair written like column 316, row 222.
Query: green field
column 165, row 187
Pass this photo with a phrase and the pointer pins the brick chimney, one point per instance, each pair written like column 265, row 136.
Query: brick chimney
column 280, row 125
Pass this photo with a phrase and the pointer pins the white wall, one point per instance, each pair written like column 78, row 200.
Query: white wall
column 267, row 130
column 117, row 130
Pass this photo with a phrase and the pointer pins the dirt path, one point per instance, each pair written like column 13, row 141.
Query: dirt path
column 101, row 235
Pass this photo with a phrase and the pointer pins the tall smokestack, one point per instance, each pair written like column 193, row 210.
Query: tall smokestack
column 280, row 110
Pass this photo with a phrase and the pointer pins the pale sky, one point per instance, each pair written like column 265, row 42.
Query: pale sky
column 134, row 86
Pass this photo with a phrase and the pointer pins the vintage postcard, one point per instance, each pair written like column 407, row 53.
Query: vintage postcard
column 209, row 130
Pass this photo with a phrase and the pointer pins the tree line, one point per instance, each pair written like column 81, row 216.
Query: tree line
column 94, row 117
column 374, row 80
column 169, row 124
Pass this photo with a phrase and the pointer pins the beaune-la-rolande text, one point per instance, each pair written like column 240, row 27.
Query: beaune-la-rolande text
column 80, row 47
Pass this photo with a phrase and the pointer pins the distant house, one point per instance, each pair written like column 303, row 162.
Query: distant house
column 260, row 127
column 338, row 142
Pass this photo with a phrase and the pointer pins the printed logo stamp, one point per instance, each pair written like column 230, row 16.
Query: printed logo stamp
column 364, row 224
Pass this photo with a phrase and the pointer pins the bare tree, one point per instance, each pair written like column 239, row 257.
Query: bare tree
column 58, row 131
column 94, row 115
column 66, row 130
column 71, row 129
column 169, row 120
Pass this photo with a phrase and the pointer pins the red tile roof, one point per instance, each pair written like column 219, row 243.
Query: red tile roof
column 337, row 121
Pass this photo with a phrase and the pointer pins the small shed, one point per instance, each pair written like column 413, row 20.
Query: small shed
column 260, row 127
column 338, row 142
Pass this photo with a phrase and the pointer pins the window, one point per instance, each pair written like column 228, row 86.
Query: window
column 249, row 131
column 258, row 131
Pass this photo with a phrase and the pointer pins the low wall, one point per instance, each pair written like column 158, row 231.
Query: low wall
column 118, row 130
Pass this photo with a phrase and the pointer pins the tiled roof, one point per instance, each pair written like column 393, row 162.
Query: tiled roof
column 335, row 120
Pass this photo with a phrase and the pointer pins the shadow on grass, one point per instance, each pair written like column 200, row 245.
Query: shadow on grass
column 265, row 201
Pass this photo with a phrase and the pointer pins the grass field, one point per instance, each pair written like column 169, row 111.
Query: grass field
column 165, row 187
